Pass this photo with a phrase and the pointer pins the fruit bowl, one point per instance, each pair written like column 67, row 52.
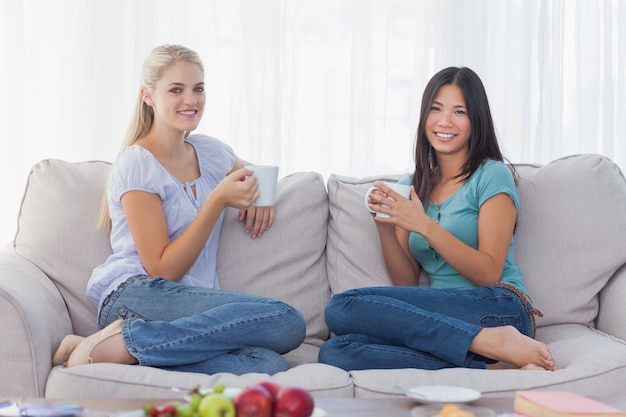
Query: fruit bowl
column 433, row 410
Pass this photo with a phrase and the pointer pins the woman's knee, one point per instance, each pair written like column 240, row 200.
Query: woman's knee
column 298, row 329
column 295, row 326
column 336, row 309
column 339, row 302
column 270, row 362
column 330, row 351
column 341, row 352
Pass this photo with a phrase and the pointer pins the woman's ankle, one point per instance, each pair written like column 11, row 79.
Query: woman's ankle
column 112, row 350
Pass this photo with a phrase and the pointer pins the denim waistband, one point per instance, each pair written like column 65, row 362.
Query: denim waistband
column 525, row 299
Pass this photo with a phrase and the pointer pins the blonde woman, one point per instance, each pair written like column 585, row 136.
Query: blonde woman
column 158, row 295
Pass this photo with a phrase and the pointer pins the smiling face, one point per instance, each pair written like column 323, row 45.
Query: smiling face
column 178, row 98
column 448, row 127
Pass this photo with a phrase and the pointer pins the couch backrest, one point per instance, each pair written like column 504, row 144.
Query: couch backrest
column 570, row 237
column 354, row 258
column 57, row 232
column 288, row 262
column 571, row 234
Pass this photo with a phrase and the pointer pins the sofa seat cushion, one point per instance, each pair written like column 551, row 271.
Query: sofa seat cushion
column 577, row 347
column 128, row 381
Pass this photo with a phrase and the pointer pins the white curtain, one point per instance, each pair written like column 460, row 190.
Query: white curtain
column 332, row 86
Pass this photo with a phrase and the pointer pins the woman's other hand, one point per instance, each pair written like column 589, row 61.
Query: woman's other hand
column 258, row 220
column 240, row 190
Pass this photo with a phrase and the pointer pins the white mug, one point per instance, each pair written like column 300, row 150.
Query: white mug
column 267, row 177
column 402, row 189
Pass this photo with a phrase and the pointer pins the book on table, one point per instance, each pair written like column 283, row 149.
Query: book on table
column 561, row 404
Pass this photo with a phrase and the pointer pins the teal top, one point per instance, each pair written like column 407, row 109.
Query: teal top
column 459, row 216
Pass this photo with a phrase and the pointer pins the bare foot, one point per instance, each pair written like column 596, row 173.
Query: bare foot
column 507, row 344
column 533, row 367
column 499, row 366
column 503, row 365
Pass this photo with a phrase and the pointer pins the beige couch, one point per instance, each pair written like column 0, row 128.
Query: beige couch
column 570, row 242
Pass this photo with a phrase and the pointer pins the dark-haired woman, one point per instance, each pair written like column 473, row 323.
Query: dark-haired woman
column 458, row 227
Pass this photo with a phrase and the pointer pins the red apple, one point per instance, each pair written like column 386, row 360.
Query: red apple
column 255, row 401
column 271, row 386
column 293, row 402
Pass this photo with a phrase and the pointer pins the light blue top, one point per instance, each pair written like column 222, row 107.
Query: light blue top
column 459, row 216
column 136, row 169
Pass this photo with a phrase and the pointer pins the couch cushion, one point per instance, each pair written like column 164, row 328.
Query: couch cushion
column 576, row 348
column 570, row 237
column 106, row 380
column 354, row 258
column 571, row 234
column 288, row 262
column 57, row 230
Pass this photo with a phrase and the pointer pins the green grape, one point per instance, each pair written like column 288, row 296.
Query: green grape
column 184, row 410
column 196, row 397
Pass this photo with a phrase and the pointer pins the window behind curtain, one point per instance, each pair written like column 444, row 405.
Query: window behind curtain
column 322, row 85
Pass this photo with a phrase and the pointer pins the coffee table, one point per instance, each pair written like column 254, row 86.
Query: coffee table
column 401, row 407
column 391, row 407
column 334, row 407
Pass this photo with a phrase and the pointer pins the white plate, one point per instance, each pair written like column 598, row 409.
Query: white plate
column 436, row 394
column 318, row 412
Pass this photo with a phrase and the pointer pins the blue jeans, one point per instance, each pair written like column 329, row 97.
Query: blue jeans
column 413, row 327
column 177, row 327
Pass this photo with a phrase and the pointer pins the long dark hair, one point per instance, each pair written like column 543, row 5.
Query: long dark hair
column 483, row 143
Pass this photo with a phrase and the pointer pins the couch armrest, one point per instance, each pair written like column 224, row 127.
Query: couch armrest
column 612, row 308
column 34, row 319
